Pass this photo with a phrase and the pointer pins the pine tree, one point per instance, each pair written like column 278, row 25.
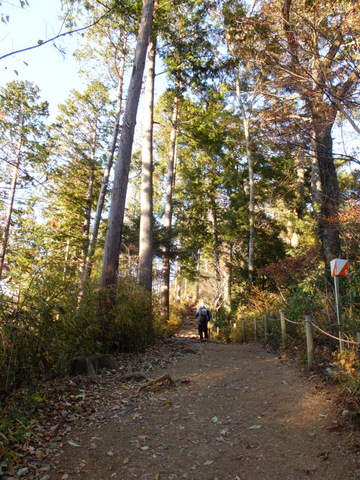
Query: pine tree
column 81, row 133
column 307, row 66
column 22, row 134
column 117, row 208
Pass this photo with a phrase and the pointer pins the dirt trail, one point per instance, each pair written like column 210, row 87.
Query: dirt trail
column 231, row 412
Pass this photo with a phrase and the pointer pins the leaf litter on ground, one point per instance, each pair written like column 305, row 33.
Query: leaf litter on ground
column 67, row 402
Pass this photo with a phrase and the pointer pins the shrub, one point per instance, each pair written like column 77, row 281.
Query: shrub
column 48, row 326
column 125, row 319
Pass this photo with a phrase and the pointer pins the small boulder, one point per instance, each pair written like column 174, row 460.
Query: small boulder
column 90, row 364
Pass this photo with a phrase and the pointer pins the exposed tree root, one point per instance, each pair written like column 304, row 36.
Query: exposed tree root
column 164, row 378
column 134, row 376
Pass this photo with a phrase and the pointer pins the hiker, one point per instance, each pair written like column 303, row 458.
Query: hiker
column 204, row 316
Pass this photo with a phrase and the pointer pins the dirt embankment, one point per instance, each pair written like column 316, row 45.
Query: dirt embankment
column 223, row 412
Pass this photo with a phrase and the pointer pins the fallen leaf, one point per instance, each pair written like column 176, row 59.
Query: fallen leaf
column 40, row 454
column 324, row 455
column 254, row 427
column 253, row 445
column 22, row 471
column 195, row 442
column 73, row 444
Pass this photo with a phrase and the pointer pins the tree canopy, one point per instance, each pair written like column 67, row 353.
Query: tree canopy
column 221, row 183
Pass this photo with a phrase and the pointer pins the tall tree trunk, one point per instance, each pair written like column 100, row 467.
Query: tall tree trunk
column 217, row 257
column 328, row 222
column 106, row 174
column 198, row 272
column 315, row 178
column 89, row 201
column 165, row 287
column 230, row 275
column 251, row 183
column 6, row 233
column 146, row 203
column 300, row 185
column 117, row 209
column 316, row 72
column 66, row 259
column 177, row 284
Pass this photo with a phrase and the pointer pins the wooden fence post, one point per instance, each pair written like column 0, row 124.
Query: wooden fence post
column 266, row 333
column 255, row 329
column 283, row 329
column 309, row 340
column 243, row 330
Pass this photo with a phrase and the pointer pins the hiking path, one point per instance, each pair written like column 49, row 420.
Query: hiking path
column 199, row 411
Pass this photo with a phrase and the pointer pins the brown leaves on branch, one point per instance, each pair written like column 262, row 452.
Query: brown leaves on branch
column 292, row 269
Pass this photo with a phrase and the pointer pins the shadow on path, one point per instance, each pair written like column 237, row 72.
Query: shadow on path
column 230, row 412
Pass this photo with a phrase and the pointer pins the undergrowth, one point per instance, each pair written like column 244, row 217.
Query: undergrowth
column 43, row 331
column 20, row 417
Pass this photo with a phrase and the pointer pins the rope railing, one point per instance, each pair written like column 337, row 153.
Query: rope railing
column 309, row 325
column 268, row 333
column 352, row 342
column 333, row 336
column 292, row 321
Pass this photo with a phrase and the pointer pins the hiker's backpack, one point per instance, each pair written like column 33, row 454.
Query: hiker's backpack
column 203, row 315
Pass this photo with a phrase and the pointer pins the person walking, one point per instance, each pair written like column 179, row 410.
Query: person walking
column 203, row 315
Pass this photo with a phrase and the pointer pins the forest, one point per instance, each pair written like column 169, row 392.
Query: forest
column 226, row 187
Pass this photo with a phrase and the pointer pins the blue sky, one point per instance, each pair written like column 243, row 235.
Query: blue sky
column 54, row 73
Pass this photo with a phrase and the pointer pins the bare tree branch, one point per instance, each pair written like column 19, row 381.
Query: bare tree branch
column 54, row 38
